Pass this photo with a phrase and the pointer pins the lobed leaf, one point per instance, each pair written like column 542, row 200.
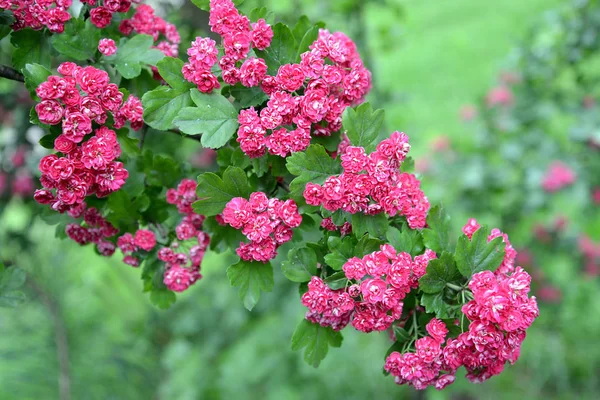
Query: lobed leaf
column 252, row 279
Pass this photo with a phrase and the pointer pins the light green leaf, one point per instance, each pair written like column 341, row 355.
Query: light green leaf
column 214, row 193
column 252, row 279
column 34, row 75
column 437, row 236
column 162, row 298
column 362, row 125
column 316, row 341
column 301, row 265
column 162, row 105
column 477, row 254
column 282, row 50
column 313, row 165
column 79, row 40
column 169, row 69
column 134, row 53
column 214, row 117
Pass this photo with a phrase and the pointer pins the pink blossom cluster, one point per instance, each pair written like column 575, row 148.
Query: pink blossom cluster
column 107, row 47
column 345, row 229
column 373, row 183
column 267, row 223
column 557, row 177
column 510, row 255
column 36, row 14
column 101, row 16
column 424, row 367
column 144, row 21
column 500, row 96
column 374, row 301
column 184, row 256
column 93, row 229
column 86, row 166
column 331, row 77
column 130, row 245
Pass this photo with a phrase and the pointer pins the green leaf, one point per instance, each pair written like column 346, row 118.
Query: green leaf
column 162, row 298
column 214, row 117
column 11, row 298
column 301, row 265
column 79, row 40
column 282, row 50
column 34, row 75
column 169, row 69
column 313, row 165
column 11, row 278
column 375, row 225
column 437, row 236
column 165, row 172
column 439, row 272
column 252, row 278
column 214, row 193
column 162, row 105
column 307, row 39
column 434, row 304
column 134, row 53
column 408, row 165
column 477, row 254
column 366, row 245
column 47, row 141
column 316, row 341
column 362, row 125
column 337, row 280
column 407, row 240
column 31, row 48
column 245, row 96
column 401, row 334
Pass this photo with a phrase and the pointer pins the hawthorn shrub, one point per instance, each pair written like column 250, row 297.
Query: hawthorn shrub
column 307, row 179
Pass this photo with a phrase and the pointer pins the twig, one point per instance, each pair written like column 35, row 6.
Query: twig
column 60, row 337
column 11, row 73
column 143, row 136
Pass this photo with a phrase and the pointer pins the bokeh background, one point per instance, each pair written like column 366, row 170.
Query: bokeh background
column 493, row 95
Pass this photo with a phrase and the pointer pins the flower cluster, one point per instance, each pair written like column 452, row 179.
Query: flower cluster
column 267, row 223
column 34, row 14
column 374, row 301
column 422, row 368
column 93, row 229
column 107, row 47
column 101, row 16
column 373, row 183
column 184, row 256
column 86, row 167
column 499, row 313
column 144, row 21
column 129, row 244
column 557, row 177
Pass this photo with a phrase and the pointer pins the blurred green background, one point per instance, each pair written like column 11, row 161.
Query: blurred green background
column 87, row 328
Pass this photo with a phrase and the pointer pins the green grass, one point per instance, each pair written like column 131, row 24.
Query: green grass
column 449, row 53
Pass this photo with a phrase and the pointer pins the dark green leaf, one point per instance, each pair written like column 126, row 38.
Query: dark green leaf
column 362, row 125
column 79, row 40
column 307, row 39
column 337, row 280
column 407, row 240
column 31, row 48
column 316, row 339
column 408, row 165
column 246, row 96
column 214, row 117
column 162, row 298
column 301, row 265
column 34, row 75
column 162, row 105
column 477, row 254
column 375, row 225
column 437, row 236
column 434, row 304
column 252, row 278
column 214, row 193
column 439, row 272
column 282, row 50
column 313, row 165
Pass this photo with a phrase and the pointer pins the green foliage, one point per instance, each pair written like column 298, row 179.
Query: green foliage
column 214, row 193
column 437, row 235
column 314, row 165
column 214, row 117
column 34, row 75
column 31, row 47
column 244, row 96
column 169, row 69
column 301, row 265
column 11, row 280
column 407, row 240
column 205, row 4
column 162, row 105
column 434, row 303
column 362, row 125
column 375, row 225
column 340, row 250
column 440, row 271
column 252, row 278
column 283, row 49
column 478, row 254
column 316, row 341
column 135, row 53
column 79, row 40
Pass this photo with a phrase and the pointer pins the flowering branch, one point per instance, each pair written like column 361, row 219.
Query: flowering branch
column 11, row 73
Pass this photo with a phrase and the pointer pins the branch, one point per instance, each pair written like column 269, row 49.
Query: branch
column 60, row 337
column 11, row 73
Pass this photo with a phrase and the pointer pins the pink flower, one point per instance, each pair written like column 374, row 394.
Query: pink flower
column 373, row 290
column 437, row 330
column 107, row 46
column 49, row 112
column 237, row 212
column 262, row 33
column 253, row 71
column 471, row 227
column 100, row 17
column 290, row 77
column 144, row 239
